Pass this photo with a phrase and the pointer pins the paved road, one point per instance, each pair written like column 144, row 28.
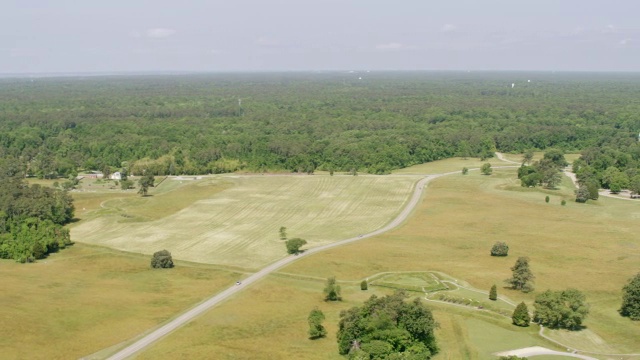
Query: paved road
column 218, row 298
column 538, row 350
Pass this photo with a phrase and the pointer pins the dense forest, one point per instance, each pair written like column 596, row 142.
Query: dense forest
column 31, row 217
column 302, row 122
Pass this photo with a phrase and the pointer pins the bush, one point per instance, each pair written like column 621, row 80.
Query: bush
column 486, row 169
column 546, row 199
column 582, row 194
column 493, row 294
column 563, row 202
column 161, row 260
column 465, row 171
column 500, row 249
column 364, row 285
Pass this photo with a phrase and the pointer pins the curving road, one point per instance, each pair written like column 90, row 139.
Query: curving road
column 215, row 300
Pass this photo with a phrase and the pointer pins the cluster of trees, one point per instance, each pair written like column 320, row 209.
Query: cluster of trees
column 546, row 172
column 564, row 309
column 303, row 122
column 162, row 260
column 614, row 166
column 31, row 217
column 388, row 327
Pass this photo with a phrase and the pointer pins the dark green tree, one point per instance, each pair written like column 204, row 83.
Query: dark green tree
column 521, row 315
column 162, row 260
column 522, row 278
column 486, row 169
column 364, row 285
column 294, row 245
column 388, row 328
column 634, row 185
column 145, row 182
column 631, row 299
column 500, row 248
column 126, row 184
column 493, row 293
column 283, row 233
column 465, row 171
column 527, row 157
column 560, row 309
column 546, row 199
column 332, row 290
column 316, row 329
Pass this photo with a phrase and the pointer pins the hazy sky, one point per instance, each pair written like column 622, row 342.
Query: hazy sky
column 256, row 35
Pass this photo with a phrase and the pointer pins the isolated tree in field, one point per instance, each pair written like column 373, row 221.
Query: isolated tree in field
column 582, row 194
column 522, row 278
column 493, row 293
column 145, row 183
column 527, row 157
column 500, row 248
column 364, row 285
column 316, row 330
column 294, row 245
column 486, row 169
column 283, row 233
column 631, row 298
column 162, row 260
column 332, row 290
column 521, row 315
column 560, row 309
column 465, row 171
column 546, row 199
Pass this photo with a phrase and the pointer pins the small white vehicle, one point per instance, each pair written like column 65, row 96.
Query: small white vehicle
column 238, row 283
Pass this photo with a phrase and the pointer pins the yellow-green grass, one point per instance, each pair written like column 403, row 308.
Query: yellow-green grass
column 538, row 155
column 449, row 165
column 234, row 220
column 269, row 321
column 593, row 247
column 87, row 298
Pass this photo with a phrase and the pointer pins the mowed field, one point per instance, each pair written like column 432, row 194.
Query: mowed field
column 592, row 247
column 234, row 220
column 87, row 298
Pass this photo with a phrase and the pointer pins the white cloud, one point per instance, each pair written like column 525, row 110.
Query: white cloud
column 446, row 28
column 160, row 33
column 624, row 42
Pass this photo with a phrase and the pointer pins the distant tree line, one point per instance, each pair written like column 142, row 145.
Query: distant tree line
column 31, row 217
column 306, row 122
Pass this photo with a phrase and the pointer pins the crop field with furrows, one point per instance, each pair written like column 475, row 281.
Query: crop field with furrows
column 237, row 223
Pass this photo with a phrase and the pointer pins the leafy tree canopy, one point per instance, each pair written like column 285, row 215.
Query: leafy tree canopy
column 388, row 327
column 162, row 260
column 561, row 309
column 631, row 298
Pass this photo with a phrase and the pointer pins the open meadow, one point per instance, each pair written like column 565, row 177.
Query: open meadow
column 592, row 247
column 86, row 298
column 234, row 220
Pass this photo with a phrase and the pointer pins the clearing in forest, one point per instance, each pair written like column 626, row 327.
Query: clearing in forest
column 239, row 225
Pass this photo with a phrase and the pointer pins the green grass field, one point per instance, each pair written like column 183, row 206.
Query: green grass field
column 86, row 298
column 234, row 220
column 592, row 247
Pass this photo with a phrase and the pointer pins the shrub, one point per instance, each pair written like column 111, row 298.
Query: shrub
column 500, row 249
column 364, row 285
column 563, row 202
column 161, row 260
column 546, row 199
column 465, row 171
column 493, row 294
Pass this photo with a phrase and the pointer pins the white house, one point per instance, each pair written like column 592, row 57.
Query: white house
column 116, row 176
